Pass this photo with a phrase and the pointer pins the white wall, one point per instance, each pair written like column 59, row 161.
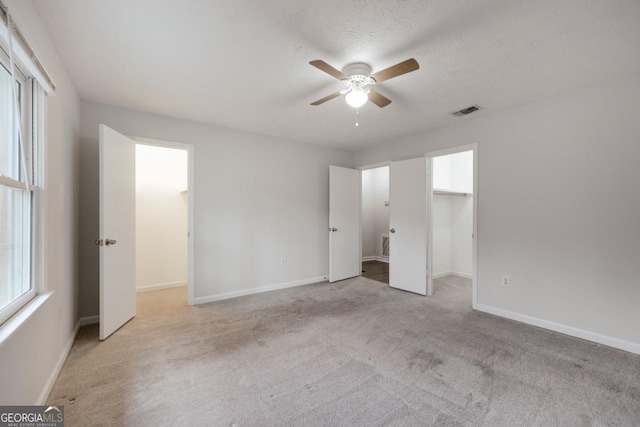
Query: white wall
column 461, row 235
column 30, row 358
column 257, row 199
column 441, row 210
column 161, row 216
column 368, row 217
column 375, row 215
column 558, row 208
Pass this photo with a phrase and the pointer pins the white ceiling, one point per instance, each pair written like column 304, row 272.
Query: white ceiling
column 244, row 63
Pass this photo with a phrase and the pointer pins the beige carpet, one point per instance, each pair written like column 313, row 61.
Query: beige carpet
column 350, row 353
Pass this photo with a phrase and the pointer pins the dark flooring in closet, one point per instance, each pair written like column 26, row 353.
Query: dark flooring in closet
column 376, row 270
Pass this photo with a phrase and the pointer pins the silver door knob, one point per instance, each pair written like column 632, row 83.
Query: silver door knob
column 393, row 230
column 110, row 242
column 333, row 229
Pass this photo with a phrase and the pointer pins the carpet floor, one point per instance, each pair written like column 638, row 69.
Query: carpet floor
column 352, row 353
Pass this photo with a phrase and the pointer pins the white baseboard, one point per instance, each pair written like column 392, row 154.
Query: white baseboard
column 160, row 286
column 463, row 275
column 89, row 320
column 453, row 273
column 376, row 258
column 563, row 329
column 251, row 291
column 58, row 367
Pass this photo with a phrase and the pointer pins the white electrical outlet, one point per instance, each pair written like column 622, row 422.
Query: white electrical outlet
column 282, row 261
column 506, row 281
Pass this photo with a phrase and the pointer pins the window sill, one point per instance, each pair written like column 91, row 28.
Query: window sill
column 12, row 325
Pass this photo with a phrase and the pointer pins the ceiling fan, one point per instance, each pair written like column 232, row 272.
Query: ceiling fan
column 357, row 77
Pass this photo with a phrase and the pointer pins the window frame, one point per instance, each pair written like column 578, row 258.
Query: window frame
column 32, row 116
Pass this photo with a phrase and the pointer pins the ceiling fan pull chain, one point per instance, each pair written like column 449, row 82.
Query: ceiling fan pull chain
column 357, row 117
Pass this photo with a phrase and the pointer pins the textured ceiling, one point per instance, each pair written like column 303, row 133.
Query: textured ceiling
column 244, row 63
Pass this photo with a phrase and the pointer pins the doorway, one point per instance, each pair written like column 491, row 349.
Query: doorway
column 375, row 224
column 117, row 221
column 162, row 210
column 451, row 219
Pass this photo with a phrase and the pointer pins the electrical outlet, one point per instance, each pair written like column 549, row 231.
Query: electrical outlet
column 506, row 281
column 282, row 261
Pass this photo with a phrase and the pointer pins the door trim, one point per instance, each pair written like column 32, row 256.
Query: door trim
column 191, row 203
column 474, row 251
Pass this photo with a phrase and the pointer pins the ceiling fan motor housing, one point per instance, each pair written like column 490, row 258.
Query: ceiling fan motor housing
column 357, row 69
column 359, row 73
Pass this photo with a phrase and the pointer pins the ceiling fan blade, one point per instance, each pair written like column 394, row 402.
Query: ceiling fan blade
column 403, row 67
column 323, row 66
column 379, row 100
column 326, row 98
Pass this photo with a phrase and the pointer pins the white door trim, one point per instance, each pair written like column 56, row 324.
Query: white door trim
column 374, row 165
column 191, row 203
column 430, row 155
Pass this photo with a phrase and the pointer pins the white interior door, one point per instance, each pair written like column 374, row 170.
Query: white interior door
column 117, row 230
column 344, row 223
column 408, row 225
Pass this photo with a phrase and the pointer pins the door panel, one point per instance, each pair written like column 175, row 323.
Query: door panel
column 344, row 223
column 117, row 230
column 408, row 225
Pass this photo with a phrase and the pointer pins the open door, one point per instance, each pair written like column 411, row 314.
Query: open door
column 117, row 230
column 408, row 225
column 344, row 223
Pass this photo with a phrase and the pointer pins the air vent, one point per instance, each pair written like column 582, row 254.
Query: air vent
column 466, row 111
column 385, row 245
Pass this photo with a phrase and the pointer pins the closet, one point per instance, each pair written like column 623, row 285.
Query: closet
column 375, row 224
column 452, row 215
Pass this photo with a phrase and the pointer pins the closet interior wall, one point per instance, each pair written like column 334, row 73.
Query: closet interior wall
column 453, row 214
column 375, row 214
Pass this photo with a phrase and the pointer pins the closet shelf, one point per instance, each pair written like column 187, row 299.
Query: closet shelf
column 438, row 192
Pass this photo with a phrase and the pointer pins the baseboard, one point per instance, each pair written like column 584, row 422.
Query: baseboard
column 376, row 258
column 251, row 291
column 58, row 367
column 89, row 320
column 563, row 329
column 463, row 275
column 161, row 286
column 453, row 273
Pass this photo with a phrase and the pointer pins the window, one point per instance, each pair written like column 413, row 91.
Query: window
column 18, row 188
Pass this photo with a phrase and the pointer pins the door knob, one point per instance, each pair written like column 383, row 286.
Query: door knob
column 333, row 229
column 393, row 230
column 99, row 242
column 110, row 242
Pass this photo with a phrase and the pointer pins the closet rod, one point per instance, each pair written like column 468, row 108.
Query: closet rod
column 450, row 193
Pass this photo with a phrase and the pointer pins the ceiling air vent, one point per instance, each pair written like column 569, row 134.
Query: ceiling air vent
column 466, row 111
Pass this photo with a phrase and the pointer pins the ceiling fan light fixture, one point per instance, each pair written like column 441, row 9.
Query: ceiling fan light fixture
column 356, row 97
